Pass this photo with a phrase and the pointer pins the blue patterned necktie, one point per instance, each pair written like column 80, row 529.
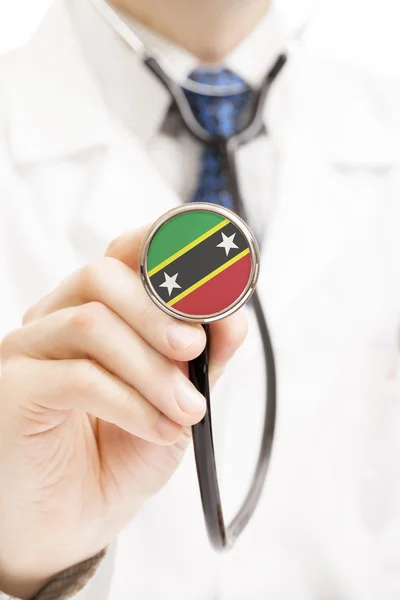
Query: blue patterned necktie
column 220, row 115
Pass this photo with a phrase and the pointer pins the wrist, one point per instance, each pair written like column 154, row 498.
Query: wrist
column 23, row 573
column 21, row 584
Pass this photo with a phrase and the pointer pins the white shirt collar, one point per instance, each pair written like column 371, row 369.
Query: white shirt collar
column 121, row 74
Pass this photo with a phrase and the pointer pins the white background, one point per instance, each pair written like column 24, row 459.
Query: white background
column 363, row 31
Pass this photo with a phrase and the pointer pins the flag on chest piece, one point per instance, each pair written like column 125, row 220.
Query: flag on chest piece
column 201, row 261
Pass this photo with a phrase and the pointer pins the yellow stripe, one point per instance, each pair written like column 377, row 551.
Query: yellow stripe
column 211, row 275
column 185, row 249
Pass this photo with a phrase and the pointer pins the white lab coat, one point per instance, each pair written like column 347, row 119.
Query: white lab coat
column 328, row 527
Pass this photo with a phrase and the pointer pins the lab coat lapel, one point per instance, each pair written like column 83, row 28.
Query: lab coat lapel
column 323, row 151
column 70, row 126
column 66, row 114
column 305, row 233
column 120, row 198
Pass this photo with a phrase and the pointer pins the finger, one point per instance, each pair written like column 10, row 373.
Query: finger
column 48, row 390
column 226, row 336
column 126, row 247
column 112, row 283
column 94, row 331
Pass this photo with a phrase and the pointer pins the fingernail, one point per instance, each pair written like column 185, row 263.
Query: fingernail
column 181, row 336
column 168, row 430
column 188, row 398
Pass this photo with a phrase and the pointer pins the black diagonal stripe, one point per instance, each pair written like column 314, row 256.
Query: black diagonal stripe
column 198, row 262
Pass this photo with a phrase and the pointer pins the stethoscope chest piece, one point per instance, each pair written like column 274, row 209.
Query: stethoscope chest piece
column 199, row 262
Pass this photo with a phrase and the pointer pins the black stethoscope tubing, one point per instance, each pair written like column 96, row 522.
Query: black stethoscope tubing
column 223, row 537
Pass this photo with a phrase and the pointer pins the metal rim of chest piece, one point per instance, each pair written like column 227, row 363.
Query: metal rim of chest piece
column 245, row 254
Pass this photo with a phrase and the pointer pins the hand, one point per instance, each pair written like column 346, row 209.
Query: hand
column 95, row 414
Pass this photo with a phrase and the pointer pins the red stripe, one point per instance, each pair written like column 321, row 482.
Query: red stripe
column 218, row 293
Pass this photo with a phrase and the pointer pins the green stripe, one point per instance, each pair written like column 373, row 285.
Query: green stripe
column 177, row 233
column 188, row 247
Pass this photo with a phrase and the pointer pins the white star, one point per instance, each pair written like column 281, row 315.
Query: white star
column 170, row 283
column 227, row 242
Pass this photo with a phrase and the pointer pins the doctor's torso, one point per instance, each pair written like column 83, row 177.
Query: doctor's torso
column 79, row 165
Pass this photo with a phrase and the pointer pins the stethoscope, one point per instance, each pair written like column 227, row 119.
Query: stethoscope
column 221, row 536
